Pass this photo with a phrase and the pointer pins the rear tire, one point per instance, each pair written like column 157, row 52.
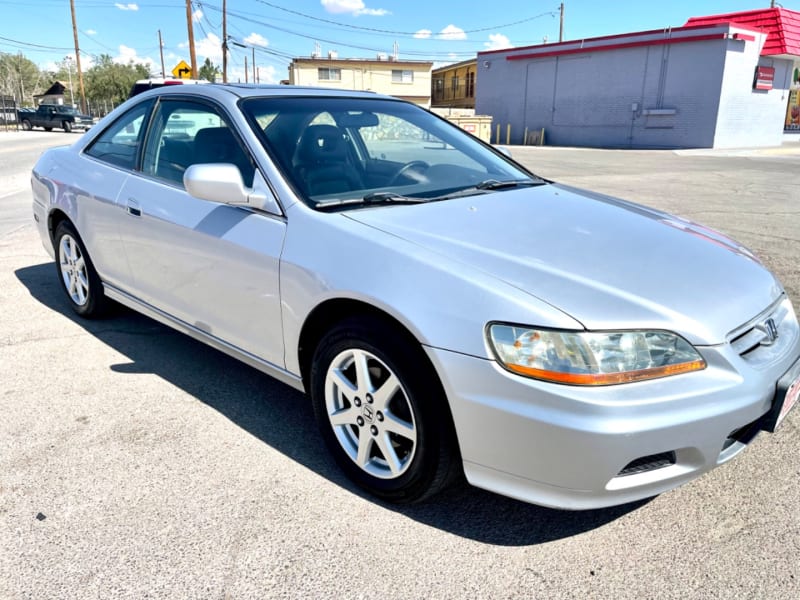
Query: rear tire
column 382, row 411
column 76, row 273
column 26, row 125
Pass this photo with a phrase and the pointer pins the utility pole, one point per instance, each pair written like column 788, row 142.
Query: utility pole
column 561, row 25
column 68, row 60
column 245, row 68
column 191, row 37
column 78, row 55
column 224, row 41
column 254, row 64
column 161, row 49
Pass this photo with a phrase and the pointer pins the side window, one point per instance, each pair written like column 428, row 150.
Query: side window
column 119, row 144
column 186, row 133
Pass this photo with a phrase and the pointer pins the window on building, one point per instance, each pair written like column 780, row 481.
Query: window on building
column 454, row 85
column 402, row 76
column 329, row 74
column 470, row 84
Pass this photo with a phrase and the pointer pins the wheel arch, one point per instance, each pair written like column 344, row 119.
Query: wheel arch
column 330, row 312
column 56, row 217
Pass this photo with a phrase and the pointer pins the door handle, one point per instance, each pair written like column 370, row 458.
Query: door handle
column 134, row 208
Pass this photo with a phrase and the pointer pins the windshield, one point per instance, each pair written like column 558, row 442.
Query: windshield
column 349, row 151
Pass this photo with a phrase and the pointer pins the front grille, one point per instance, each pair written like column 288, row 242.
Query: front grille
column 761, row 331
column 648, row 463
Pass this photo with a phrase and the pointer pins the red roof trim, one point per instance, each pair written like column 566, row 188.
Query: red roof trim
column 781, row 25
column 671, row 30
column 640, row 43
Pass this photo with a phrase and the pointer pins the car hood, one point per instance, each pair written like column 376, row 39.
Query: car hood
column 607, row 263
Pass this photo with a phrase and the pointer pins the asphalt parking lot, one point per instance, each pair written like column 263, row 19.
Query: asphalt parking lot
column 136, row 462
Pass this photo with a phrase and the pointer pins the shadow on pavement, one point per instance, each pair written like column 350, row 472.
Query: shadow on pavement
column 282, row 417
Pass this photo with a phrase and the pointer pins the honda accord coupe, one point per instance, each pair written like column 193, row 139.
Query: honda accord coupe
column 447, row 311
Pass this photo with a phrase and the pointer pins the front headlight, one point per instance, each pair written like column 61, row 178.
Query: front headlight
column 592, row 358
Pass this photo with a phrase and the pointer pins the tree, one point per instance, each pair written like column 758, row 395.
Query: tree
column 209, row 71
column 21, row 78
column 108, row 81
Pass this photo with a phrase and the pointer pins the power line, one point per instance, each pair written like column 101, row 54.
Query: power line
column 333, row 42
column 59, row 48
column 393, row 32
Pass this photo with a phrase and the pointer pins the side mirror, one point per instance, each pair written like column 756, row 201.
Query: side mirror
column 503, row 150
column 222, row 182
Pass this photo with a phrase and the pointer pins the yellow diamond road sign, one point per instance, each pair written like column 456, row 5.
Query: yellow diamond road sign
column 182, row 70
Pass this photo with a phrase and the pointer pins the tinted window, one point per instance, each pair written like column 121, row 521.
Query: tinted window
column 185, row 133
column 120, row 143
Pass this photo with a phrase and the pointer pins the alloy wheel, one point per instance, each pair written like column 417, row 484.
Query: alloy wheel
column 73, row 270
column 370, row 413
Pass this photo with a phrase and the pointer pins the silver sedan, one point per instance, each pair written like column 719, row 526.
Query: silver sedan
column 448, row 312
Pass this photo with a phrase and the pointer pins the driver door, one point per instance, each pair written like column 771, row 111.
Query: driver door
column 210, row 265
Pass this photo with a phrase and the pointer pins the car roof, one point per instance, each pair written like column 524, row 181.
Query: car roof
column 243, row 90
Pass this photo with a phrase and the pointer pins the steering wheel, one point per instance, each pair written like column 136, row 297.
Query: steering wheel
column 419, row 165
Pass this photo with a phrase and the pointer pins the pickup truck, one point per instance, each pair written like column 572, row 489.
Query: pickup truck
column 55, row 115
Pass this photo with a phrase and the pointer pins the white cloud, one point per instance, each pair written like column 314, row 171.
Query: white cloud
column 266, row 74
column 353, row 7
column 197, row 15
column 128, row 55
column 451, row 32
column 208, row 47
column 129, row 6
column 498, row 41
column 423, row 34
column 255, row 39
column 90, row 32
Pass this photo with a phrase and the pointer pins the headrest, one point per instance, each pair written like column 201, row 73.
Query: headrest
column 321, row 144
column 214, row 144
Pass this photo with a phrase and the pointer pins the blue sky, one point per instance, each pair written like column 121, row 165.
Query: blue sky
column 280, row 29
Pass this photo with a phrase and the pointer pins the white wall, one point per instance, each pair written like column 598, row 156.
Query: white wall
column 749, row 117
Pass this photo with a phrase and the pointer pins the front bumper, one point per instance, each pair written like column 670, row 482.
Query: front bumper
column 573, row 447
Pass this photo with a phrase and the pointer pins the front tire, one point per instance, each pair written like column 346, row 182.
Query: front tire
column 76, row 273
column 67, row 126
column 382, row 411
column 26, row 125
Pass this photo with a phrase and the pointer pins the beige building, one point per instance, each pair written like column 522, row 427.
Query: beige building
column 406, row 79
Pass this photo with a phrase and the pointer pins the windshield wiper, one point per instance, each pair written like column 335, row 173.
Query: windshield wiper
column 370, row 199
column 494, row 184
column 489, row 185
